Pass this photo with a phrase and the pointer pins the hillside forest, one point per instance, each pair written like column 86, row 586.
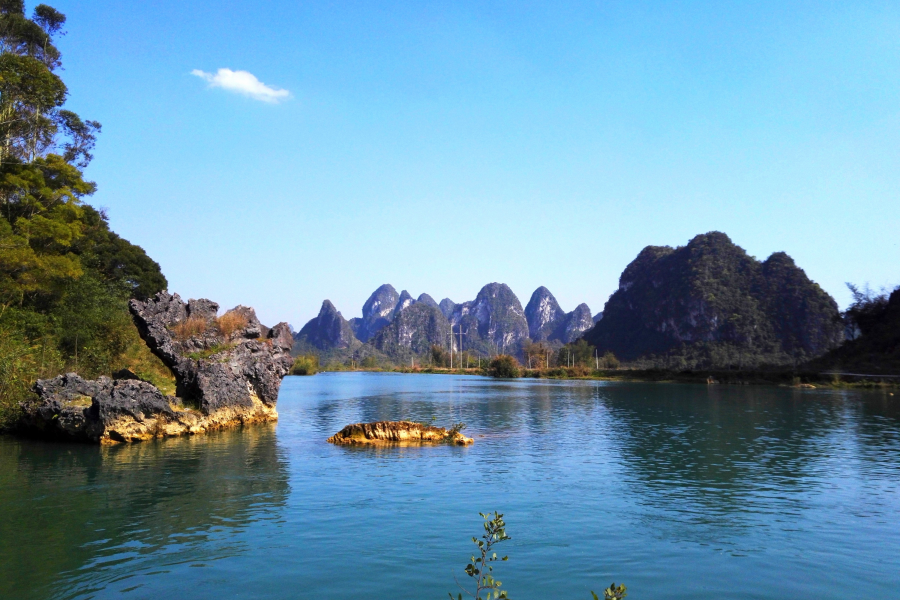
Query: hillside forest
column 65, row 277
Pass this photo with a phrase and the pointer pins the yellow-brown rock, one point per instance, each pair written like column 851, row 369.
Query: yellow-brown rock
column 398, row 432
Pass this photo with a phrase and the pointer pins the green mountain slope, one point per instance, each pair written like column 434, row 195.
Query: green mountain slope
column 711, row 304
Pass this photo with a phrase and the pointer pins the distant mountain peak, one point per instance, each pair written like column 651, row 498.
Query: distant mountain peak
column 542, row 313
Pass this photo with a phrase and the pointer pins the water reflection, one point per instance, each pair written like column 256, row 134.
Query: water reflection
column 600, row 481
column 95, row 518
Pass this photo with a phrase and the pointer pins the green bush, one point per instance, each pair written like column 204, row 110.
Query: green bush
column 305, row 364
column 505, row 366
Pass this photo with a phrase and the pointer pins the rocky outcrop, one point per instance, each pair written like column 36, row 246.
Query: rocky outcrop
column 398, row 433
column 413, row 331
column 404, row 301
column 573, row 324
column 398, row 325
column 494, row 322
column 328, row 330
column 229, row 361
column 377, row 312
column 227, row 369
column 543, row 314
column 109, row 411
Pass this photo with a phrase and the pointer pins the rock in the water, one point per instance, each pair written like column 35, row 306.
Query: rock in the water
column 105, row 410
column 227, row 370
column 108, row 411
column 398, row 432
column 225, row 362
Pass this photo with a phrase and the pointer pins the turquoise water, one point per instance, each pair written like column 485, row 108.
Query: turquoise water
column 678, row 491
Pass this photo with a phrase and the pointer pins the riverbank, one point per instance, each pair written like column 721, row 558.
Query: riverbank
column 798, row 379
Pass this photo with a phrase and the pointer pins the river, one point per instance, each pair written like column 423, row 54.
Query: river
column 678, row 491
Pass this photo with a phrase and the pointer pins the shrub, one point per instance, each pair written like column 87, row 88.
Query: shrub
column 481, row 569
column 190, row 327
column 305, row 364
column 230, row 322
column 609, row 361
column 505, row 366
column 439, row 356
column 19, row 368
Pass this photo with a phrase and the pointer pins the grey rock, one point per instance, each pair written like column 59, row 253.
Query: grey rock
column 378, row 311
column 543, row 314
column 494, row 321
column 414, row 330
column 215, row 366
column 405, row 300
column 574, row 324
column 71, row 407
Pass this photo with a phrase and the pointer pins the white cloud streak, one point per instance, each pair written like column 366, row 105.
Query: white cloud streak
column 243, row 82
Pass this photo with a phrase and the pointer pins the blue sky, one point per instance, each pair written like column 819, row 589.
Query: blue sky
column 442, row 146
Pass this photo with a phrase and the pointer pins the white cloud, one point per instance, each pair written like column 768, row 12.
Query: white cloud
column 243, row 82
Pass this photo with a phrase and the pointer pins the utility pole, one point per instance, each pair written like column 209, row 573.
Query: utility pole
column 451, row 346
column 461, row 333
column 597, row 359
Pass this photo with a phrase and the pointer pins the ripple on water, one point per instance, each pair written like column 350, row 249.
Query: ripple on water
column 677, row 490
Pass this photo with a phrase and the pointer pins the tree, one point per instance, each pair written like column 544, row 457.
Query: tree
column 504, row 366
column 65, row 278
column 580, row 353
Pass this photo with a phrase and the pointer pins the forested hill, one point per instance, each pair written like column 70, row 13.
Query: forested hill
column 65, row 278
column 875, row 348
column 709, row 303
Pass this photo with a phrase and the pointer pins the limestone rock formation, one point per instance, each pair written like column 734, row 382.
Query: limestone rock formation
column 709, row 303
column 109, row 411
column 227, row 370
column 377, row 312
column 574, row 324
column 398, row 432
column 547, row 322
column 329, row 329
column 404, row 301
column 494, row 321
column 227, row 361
column 413, row 331
column 426, row 299
column 447, row 307
column 543, row 314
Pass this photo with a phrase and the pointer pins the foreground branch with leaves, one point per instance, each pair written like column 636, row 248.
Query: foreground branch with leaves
column 481, row 569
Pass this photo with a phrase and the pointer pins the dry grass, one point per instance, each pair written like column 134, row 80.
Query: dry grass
column 188, row 328
column 230, row 322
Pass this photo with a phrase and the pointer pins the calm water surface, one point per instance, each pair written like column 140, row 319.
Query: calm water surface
column 679, row 491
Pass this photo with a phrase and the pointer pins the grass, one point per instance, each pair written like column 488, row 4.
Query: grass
column 208, row 352
column 190, row 327
column 230, row 322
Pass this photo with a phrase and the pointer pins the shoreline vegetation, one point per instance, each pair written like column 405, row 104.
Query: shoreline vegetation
column 797, row 379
